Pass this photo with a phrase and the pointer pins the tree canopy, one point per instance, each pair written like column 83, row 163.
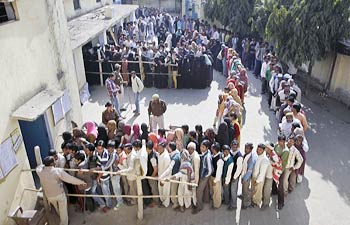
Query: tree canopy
column 234, row 14
column 308, row 29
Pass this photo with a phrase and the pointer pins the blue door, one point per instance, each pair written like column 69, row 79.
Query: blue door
column 35, row 134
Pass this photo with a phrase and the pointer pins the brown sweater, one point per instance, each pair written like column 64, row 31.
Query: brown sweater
column 107, row 116
column 156, row 108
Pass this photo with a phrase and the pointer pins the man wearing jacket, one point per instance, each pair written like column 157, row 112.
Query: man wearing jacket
column 249, row 160
column 51, row 179
column 205, row 170
column 259, row 173
column 137, row 87
column 236, row 172
column 294, row 162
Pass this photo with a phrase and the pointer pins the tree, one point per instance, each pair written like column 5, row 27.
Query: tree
column 308, row 29
column 234, row 14
column 261, row 14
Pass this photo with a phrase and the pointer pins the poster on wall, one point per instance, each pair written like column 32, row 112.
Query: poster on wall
column 8, row 159
column 57, row 111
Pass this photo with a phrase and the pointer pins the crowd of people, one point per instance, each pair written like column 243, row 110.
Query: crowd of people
column 163, row 50
column 210, row 159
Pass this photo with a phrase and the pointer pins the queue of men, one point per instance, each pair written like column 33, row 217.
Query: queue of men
column 210, row 166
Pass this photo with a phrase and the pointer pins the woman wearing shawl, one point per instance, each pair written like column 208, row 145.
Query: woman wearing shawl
column 209, row 135
column 220, row 109
column 185, row 174
column 135, row 132
column 111, row 128
column 222, row 136
column 144, row 129
column 153, row 137
column 179, row 139
column 102, row 135
column 126, row 138
column 120, row 132
column 230, row 129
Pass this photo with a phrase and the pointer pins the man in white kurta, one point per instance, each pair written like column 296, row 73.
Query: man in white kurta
column 259, row 173
column 191, row 147
column 163, row 164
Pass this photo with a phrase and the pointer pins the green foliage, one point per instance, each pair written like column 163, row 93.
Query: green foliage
column 262, row 11
column 235, row 14
column 308, row 29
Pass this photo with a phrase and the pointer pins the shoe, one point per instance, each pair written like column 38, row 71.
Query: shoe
column 122, row 110
column 105, row 209
column 122, row 117
column 280, row 207
column 175, row 206
column 137, row 114
column 231, row 208
column 182, row 209
column 244, row 207
column 160, row 205
column 299, row 178
column 263, row 207
column 118, row 206
column 195, row 211
column 253, row 205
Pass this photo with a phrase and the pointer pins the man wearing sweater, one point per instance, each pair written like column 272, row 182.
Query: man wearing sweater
column 173, row 168
column 205, row 170
column 249, row 160
column 215, row 178
column 195, row 160
column 51, row 179
column 236, row 172
column 259, row 173
column 283, row 152
column 294, row 163
column 227, row 173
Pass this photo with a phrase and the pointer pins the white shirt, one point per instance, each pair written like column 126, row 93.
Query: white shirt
column 168, row 170
column 264, row 68
column 136, row 84
column 196, row 164
column 130, row 161
column 238, row 168
column 61, row 161
column 260, row 168
column 163, row 162
column 216, row 35
column 219, row 167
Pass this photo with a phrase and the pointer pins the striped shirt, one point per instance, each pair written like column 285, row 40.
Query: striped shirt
column 102, row 160
column 274, row 170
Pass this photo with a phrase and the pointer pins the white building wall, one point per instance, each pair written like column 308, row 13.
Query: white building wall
column 86, row 6
column 35, row 55
column 79, row 67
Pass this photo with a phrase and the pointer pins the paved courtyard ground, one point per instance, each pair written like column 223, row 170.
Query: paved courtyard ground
column 322, row 199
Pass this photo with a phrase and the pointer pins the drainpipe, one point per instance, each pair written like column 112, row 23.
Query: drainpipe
column 328, row 84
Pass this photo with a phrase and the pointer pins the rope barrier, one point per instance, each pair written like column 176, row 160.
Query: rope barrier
column 144, row 62
column 123, row 174
column 115, row 196
column 146, row 73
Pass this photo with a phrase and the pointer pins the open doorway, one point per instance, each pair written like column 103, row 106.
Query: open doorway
column 36, row 133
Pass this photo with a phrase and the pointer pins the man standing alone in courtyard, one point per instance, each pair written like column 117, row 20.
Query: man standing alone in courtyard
column 156, row 109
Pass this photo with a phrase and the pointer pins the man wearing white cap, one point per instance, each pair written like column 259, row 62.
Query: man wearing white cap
column 156, row 109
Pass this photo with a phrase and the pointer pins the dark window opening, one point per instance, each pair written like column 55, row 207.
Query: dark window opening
column 7, row 12
column 76, row 4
